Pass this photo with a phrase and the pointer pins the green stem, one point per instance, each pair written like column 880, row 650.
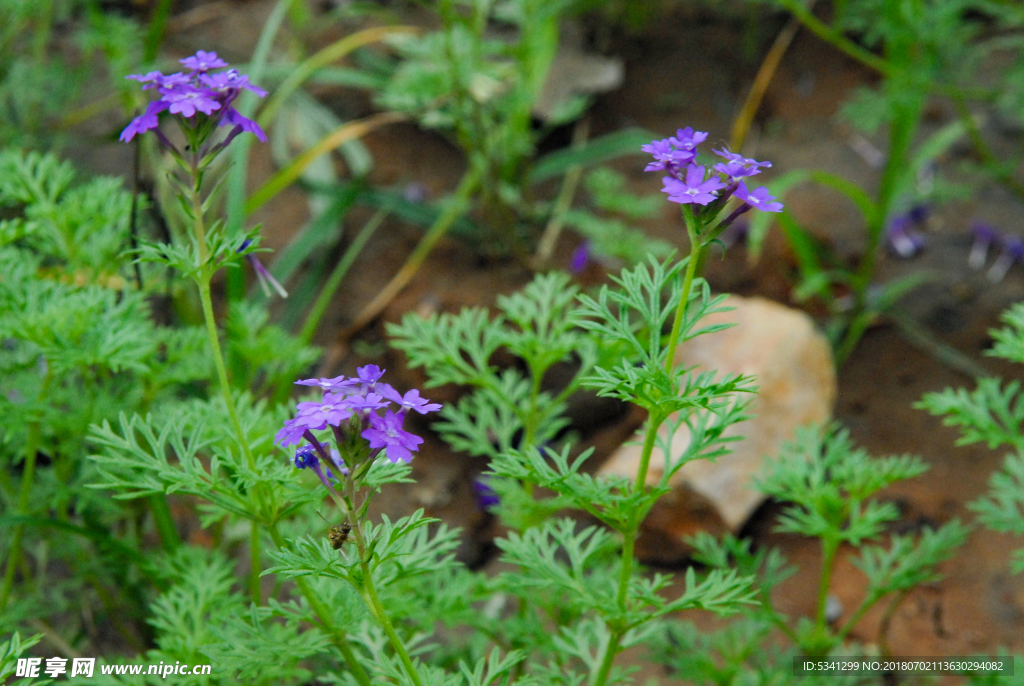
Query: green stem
column 255, row 589
column 158, row 507
column 609, row 657
column 35, row 433
column 322, row 612
column 334, row 281
column 157, row 27
column 829, row 548
column 203, row 281
column 838, row 40
column 370, row 596
column 868, row 603
column 691, row 270
column 629, row 543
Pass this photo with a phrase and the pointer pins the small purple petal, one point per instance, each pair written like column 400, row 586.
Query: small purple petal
column 903, row 240
column 696, row 189
column 759, row 199
column 203, row 61
column 234, row 117
column 387, row 433
column 411, row 400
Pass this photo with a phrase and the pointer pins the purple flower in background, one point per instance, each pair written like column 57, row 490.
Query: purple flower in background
column 386, row 432
column 759, row 199
column 486, row 498
column 984, row 236
column 695, row 189
column 902, row 239
column 737, row 166
column 197, row 92
column 580, row 258
column 203, row 61
column 1013, row 252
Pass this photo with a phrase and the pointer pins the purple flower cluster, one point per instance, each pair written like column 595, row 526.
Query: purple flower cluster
column 355, row 402
column 199, row 91
column 690, row 183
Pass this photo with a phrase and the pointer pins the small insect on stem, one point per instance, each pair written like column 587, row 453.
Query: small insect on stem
column 338, row 534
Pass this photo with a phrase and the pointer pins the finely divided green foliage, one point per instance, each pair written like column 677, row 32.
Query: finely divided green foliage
column 10, row 651
column 537, row 325
column 575, row 577
column 992, row 414
column 829, row 481
column 631, row 318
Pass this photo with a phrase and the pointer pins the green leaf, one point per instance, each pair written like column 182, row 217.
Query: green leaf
column 596, row 151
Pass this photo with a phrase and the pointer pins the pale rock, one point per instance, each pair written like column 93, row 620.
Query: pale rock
column 796, row 383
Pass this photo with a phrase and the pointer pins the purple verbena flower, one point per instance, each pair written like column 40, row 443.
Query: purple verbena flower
column 666, row 156
column 759, row 199
column 387, row 433
column 737, row 166
column 688, row 139
column 203, row 61
column 984, row 236
column 369, row 375
column 695, row 189
column 351, row 405
column 902, row 239
column 197, row 92
column 410, row 401
column 580, row 258
column 1013, row 252
column 486, row 498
